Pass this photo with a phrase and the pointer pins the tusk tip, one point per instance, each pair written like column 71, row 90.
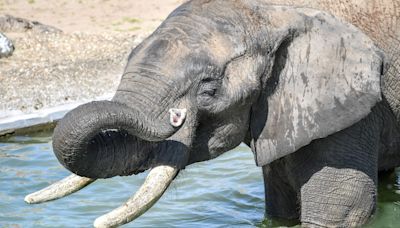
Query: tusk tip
column 59, row 189
column 29, row 199
column 101, row 222
column 157, row 181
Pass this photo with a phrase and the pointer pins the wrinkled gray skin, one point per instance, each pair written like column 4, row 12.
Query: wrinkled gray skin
column 295, row 84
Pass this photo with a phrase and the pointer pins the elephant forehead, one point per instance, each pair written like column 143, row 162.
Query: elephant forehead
column 179, row 61
column 158, row 57
column 221, row 48
column 165, row 50
column 216, row 47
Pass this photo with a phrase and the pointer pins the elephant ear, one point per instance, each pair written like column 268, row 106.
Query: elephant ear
column 324, row 77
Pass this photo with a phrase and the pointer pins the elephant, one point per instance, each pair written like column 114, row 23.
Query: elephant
column 315, row 96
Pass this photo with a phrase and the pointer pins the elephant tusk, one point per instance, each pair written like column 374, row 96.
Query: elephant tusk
column 157, row 181
column 59, row 189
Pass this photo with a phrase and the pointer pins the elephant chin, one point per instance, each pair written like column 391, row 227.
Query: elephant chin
column 105, row 139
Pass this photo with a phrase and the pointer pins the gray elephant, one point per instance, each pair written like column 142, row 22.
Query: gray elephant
column 311, row 94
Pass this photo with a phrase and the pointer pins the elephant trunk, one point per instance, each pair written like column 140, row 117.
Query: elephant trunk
column 104, row 138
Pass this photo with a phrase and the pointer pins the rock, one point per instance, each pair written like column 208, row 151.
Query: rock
column 6, row 46
column 9, row 23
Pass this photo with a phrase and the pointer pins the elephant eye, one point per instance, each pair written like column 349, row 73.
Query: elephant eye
column 209, row 92
column 209, row 87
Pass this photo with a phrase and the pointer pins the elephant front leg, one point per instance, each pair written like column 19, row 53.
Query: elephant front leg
column 280, row 198
column 338, row 174
column 337, row 198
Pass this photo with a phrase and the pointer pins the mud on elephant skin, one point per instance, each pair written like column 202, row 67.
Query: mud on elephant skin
column 295, row 84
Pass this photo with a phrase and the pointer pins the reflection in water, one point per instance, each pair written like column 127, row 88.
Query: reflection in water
column 227, row 191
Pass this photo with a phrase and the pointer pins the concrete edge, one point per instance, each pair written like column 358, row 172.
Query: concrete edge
column 39, row 120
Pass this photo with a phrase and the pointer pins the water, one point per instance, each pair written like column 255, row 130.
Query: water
column 225, row 192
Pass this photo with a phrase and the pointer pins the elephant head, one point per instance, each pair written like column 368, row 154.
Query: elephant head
column 214, row 75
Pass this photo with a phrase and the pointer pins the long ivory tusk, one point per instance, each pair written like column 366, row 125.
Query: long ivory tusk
column 157, row 181
column 61, row 188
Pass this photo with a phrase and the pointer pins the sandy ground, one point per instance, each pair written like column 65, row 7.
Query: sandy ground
column 83, row 61
column 93, row 16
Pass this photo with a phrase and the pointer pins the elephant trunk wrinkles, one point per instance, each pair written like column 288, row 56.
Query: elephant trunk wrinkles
column 103, row 139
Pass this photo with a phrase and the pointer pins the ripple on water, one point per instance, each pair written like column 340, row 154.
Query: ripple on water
column 225, row 192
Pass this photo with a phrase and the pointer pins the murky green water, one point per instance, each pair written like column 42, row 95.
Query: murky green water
column 225, row 192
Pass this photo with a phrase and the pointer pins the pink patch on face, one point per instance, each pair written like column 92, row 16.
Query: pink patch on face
column 177, row 116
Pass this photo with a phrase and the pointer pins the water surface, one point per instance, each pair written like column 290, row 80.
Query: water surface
column 225, row 192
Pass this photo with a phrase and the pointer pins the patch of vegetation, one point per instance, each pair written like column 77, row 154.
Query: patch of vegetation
column 117, row 23
column 133, row 28
column 131, row 20
column 126, row 21
column 31, row 1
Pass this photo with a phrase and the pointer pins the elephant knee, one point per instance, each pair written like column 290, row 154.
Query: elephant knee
column 338, row 198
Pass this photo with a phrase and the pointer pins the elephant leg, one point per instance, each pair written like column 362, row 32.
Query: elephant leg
column 280, row 198
column 337, row 197
column 337, row 176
